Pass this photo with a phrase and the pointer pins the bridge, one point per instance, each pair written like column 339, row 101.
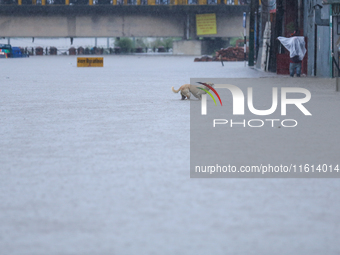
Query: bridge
column 109, row 20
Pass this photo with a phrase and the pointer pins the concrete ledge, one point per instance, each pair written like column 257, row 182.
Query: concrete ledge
column 188, row 47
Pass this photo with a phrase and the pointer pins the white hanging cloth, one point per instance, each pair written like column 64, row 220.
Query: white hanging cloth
column 295, row 45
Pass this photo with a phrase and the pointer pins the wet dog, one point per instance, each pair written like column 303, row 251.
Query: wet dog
column 188, row 89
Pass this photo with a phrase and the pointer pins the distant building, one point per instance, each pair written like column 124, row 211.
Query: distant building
column 308, row 18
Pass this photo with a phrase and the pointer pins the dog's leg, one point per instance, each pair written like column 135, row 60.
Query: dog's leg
column 186, row 93
column 183, row 96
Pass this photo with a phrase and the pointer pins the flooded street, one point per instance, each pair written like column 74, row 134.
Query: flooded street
column 96, row 161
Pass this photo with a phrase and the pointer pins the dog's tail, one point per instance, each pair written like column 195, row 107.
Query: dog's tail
column 175, row 91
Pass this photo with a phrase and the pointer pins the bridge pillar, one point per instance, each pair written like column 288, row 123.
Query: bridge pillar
column 193, row 35
column 190, row 28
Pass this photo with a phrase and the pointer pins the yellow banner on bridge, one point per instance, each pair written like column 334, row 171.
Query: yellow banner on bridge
column 90, row 62
column 206, row 24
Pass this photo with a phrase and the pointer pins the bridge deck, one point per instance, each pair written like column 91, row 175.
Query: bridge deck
column 113, row 20
column 121, row 9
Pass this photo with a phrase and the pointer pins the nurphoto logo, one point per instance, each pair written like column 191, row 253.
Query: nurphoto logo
column 239, row 105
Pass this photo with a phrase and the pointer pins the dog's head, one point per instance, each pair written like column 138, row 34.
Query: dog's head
column 210, row 84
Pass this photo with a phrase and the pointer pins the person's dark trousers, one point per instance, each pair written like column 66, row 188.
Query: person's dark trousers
column 292, row 67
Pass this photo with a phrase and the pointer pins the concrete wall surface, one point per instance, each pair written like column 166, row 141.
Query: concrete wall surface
column 190, row 47
column 112, row 21
column 91, row 26
column 318, row 41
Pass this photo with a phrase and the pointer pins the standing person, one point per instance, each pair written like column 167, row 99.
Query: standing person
column 296, row 47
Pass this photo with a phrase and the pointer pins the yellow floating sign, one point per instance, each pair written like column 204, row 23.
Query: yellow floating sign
column 206, row 24
column 90, row 62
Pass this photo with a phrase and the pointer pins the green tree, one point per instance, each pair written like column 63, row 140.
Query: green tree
column 157, row 43
column 167, row 42
column 233, row 40
column 125, row 44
